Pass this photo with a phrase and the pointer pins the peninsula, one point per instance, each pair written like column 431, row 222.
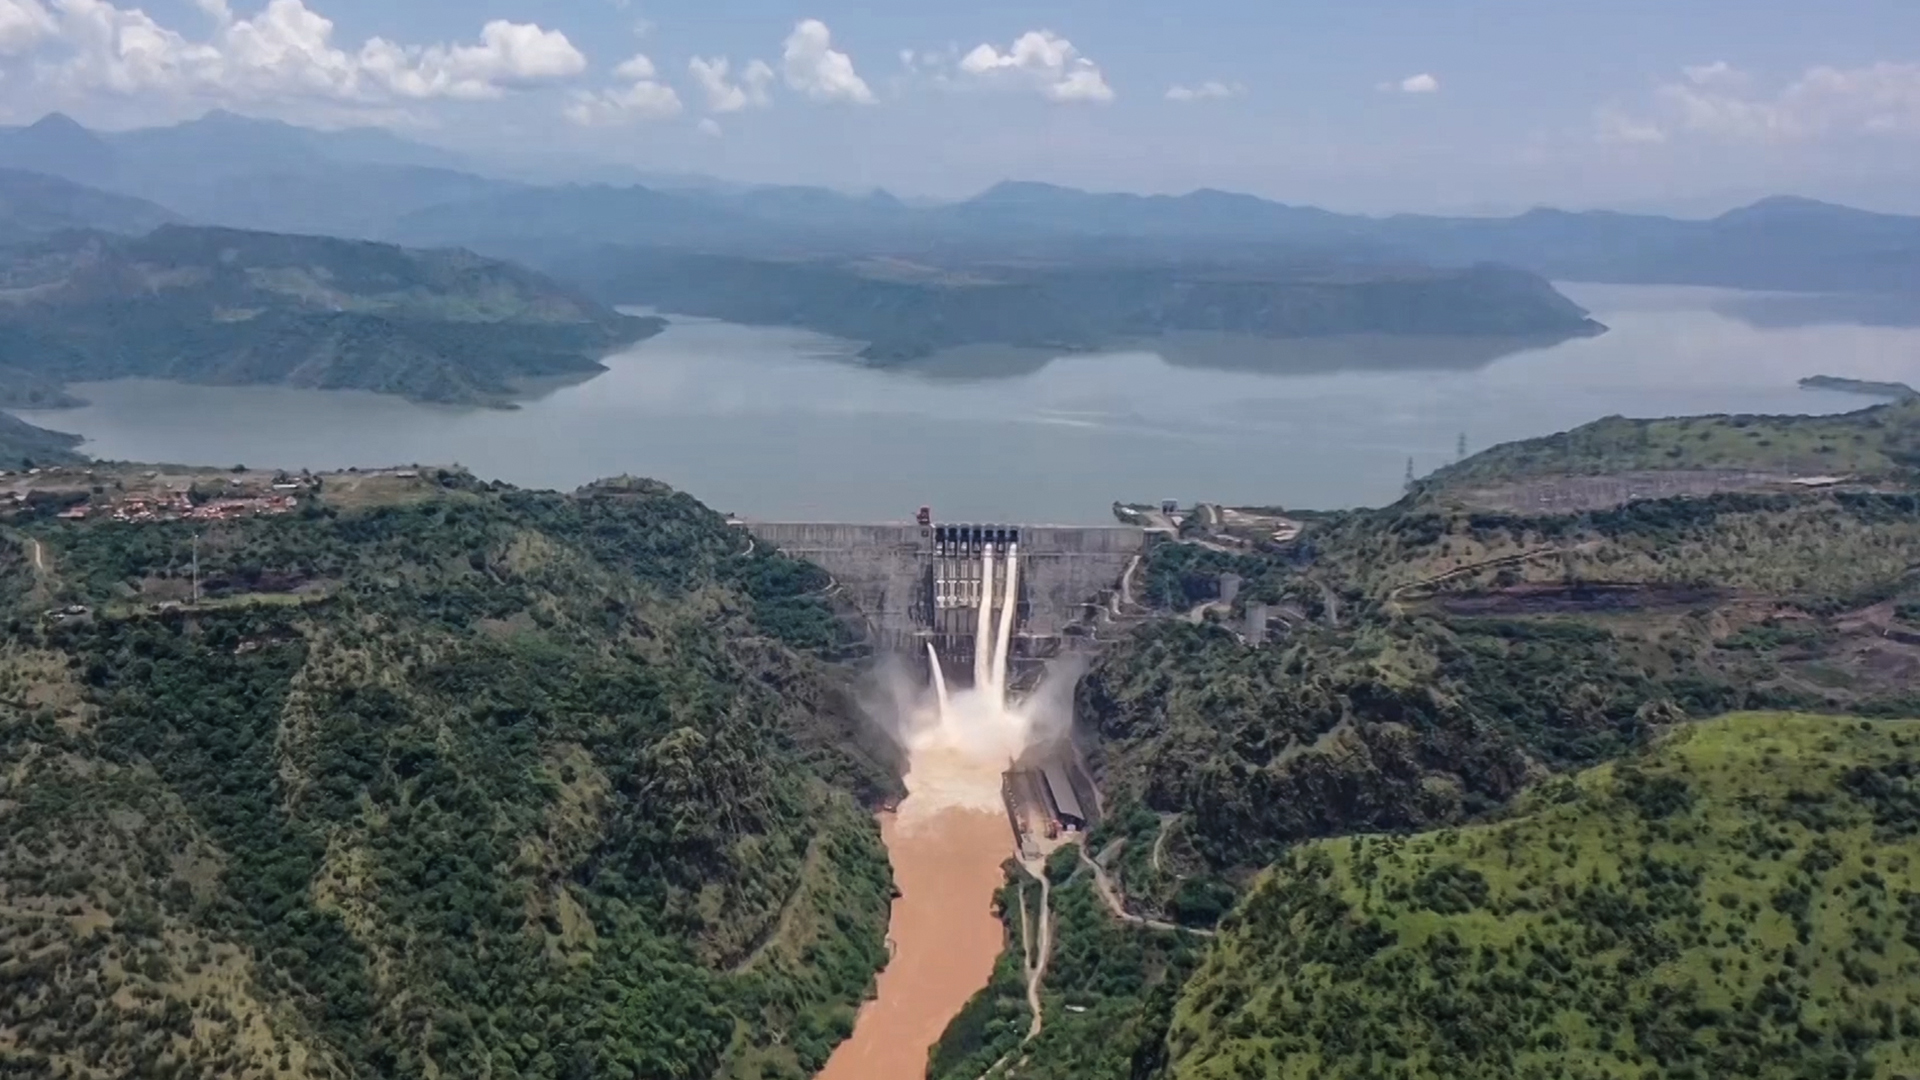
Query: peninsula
column 1893, row 391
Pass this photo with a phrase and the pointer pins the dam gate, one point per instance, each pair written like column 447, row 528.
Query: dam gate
column 921, row 584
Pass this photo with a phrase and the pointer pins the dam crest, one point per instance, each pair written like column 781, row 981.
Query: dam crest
column 922, row 585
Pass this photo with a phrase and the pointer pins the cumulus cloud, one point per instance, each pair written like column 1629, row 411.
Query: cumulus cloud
column 1211, row 90
column 1044, row 60
column 814, row 68
column 644, row 97
column 1720, row 101
column 724, row 95
column 24, row 24
column 287, row 51
column 709, row 126
column 509, row 55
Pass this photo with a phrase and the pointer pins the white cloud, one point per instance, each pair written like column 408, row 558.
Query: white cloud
column 287, row 51
column 509, row 55
column 637, row 68
column 715, row 77
column 1045, row 60
column 1422, row 83
column 709, row 126
column 1211, row 90
column 1718, row 72
column 1719, row 101
column 816, row 69
column 643, row 98
column 23, row 25
column 1615, row 126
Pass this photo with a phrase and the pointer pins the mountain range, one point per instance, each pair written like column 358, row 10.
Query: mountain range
column 224, row 169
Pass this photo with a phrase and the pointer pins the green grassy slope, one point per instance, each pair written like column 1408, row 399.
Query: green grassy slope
column 440, row 779
column 1741, row 900
column 1876, row 442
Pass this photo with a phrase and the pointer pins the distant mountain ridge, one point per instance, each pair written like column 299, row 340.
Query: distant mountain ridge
column 35, row 204
column 369, row 183
column 241, row 172
column 1783, row 243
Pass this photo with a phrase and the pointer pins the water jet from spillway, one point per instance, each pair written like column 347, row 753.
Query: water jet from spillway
column 950, row 836
column 960, row 740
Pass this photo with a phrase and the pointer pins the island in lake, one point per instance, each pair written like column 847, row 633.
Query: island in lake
column 1894, row 391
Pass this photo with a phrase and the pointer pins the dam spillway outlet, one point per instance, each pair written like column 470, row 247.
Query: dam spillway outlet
column 921, row 584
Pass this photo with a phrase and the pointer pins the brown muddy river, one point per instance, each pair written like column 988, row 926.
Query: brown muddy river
column 944, row 936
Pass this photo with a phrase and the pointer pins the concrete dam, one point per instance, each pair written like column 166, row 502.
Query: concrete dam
column 921, row 584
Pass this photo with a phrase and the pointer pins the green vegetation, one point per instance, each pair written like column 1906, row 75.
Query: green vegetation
column 1107, row 998
column 1883, row 441
column 225, row 306
column 1743, row 899
column 904, row 312
column 1474, row 652
column 529, row 785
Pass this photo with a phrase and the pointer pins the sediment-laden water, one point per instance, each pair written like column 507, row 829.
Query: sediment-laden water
column 944, row 936
column 948, row 842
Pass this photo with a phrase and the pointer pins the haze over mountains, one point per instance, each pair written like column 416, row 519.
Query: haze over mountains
column 1021, row 264
column 229, row 170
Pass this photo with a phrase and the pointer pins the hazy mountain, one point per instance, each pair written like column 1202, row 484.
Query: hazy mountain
column 1776, row 244
column 905, row 311
column 35, row 204
column 58, row 146
column 225, row 169
column 588, row 214
column 22, row 444
column 322, row 198
column 1202, row 214
column 228, row 169
column 225, row 306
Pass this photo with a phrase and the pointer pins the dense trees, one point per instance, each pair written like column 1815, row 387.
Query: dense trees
column 1724, row 905
column 523, row 784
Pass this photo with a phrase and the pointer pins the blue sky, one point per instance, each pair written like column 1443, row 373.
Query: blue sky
column 1369, row 104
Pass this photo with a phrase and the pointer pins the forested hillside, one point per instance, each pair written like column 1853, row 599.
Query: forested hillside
column 905, row 310
column 1743, row 899
column 1438, row 661
column 233, row 307
column 1430, row 663
column 438, row 778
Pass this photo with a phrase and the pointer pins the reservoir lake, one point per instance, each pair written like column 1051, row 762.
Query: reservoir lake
column 777, row 423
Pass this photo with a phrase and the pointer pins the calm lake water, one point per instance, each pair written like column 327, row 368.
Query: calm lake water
column 778, row 423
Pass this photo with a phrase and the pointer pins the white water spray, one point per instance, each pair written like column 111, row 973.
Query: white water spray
column 960, row 740
column 983, row 630
column 939, row 678
column 1009, row 609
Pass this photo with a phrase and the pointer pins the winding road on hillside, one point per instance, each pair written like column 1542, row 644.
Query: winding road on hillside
column 1110, row 894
